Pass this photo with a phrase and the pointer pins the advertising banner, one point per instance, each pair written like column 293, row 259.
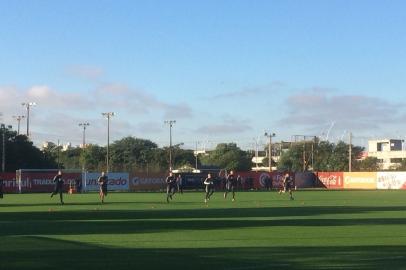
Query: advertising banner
column 147, row 182
column 42, row 181
column 116, row 181
column 250, row 180
column 261, row 180
column 391, row 180
column 277, row 179
column 9, row 182
column 360, row 180
column 305, row 180
column 330, row 180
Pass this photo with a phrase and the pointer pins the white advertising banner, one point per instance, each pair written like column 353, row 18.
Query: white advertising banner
column 391, row 180
column 116, row 182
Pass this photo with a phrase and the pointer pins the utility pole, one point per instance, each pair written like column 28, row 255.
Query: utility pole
column 313, row 155
column 270, row 135
column 28, row 105
column 108, row 115
column 256, row 152
column 304, row 155
column 84, row 125
column 350, row 152
column 59, row 151
column 18, row 118
column 170, row 123
column 3, row 156
column 196, row 154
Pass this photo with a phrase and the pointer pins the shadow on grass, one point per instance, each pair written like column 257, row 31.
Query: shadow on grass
column 99, row 214
column 145, row 221
column 55, row 202
column 43, row 253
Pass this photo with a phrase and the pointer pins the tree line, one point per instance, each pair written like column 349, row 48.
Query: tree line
column 132, row 154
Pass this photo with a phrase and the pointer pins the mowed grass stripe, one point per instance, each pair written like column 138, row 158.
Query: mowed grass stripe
column 318, row 230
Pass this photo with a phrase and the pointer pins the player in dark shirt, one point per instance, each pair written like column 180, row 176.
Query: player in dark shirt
column 288, row 185
column 103, row 179
column 170, row 186
column 231, row 183
column 209, row 183
column 179, row 182
column 58, row 180
column 1, row 189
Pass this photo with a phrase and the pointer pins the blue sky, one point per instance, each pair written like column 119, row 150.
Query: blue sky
column 225, row 70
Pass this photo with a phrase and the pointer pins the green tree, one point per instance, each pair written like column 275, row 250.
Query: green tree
column 71, row 158
column 22, row 154
column 325, row 156
column 132, row 154
column 94, row 157
column 369, row 164
column 228, row 156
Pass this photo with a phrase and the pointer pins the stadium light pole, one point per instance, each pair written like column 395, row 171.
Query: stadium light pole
column 270, row 135
column 3, row 156
column 350, row 152
column 108, row 115
column 84, row 125
column 28, row 105
column 18, row 118
column 170, row 123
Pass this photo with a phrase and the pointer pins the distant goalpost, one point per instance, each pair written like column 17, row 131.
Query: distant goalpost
column 40, row 180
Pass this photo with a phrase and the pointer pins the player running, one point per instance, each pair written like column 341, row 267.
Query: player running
column 288, row 185
column 231, row 183
column 179, row 183
column 103, row 179
column 58, row 180
column 1, row 188
column 170, row 186
column 209, row 187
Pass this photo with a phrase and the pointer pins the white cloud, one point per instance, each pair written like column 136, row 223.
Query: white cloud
column 91, row 73
column 313, row 110
column 249, row 92
column 58, row 113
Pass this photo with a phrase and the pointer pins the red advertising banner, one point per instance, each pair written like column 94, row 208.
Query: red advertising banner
column 9, row 182
column 331, row 180
column 258, row 180
column 249, row 180
column 43, row 181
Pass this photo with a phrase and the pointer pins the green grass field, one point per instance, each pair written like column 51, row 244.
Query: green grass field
column 261, row 230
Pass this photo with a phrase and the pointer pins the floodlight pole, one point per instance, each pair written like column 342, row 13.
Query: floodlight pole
column 28, row 105
column 3, row 159
column 350, row 153
column 84, row 125
column 18, row 118
column 170, row 123
column 270, row 135
column 108, row 115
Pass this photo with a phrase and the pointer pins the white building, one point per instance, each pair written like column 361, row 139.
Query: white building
column 389, row 152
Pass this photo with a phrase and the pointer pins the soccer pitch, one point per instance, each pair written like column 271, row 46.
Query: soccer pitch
column 260, row 230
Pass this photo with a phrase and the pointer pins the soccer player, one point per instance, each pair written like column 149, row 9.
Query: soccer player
column 103, row 179
column 1, row 188
column 170, row 186
column 231, row 183
column 179, row 182
column 58, row 180
column 209, row 187
column 288, row 185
